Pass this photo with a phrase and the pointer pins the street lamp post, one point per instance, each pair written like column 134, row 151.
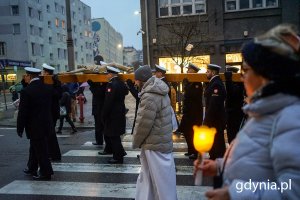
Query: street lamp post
column 147, row 32
column 70, row 45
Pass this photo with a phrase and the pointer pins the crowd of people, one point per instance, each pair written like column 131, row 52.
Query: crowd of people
column 261, row 119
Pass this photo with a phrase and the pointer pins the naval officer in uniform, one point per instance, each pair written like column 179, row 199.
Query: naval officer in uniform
column 192, row 110
column 113, row 116
column 53, row 146
column 215, row 95
column 35, row 117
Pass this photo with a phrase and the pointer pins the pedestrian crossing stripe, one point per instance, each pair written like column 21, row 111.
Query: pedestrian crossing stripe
column 86, row 189
column 109, row 168
column 130, row 154
column 63, row 136
column 126, row 144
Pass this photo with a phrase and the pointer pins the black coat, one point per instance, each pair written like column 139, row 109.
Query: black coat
column 35, row 115
column 55, row 104
column 66, row 101
column 192, row 106
column 98, row 91
column 113, row 112
column 215, row 95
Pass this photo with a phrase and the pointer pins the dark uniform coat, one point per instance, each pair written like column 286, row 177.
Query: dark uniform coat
column 215, row 95
column 98, row 91
column 192, row 112
column 35, row 114
column 53, row 146
column 113, row 113
column 35, row 117
column 233, row 106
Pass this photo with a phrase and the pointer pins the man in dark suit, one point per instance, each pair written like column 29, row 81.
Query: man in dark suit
column 113, row 116
column 215, row 95
column 53, row 146
column 234, row 103
column 192, row 110
column 35, row 117
column 98, row 91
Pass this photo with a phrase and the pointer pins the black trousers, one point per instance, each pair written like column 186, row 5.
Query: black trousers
column 218, row 148
column 53, row 146
column 38, row 157
column 61, row 121
column 114, row 146
column 189, row 137
column 98, row 129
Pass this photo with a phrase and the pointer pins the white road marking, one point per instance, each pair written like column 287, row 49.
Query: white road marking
column 108, row 168
column 85, row 189
column 130, row 154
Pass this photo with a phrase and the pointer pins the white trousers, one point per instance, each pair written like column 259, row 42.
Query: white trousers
column 157, row 178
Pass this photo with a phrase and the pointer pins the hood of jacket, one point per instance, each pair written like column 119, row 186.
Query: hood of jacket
column 156, row 86
column 270, row 104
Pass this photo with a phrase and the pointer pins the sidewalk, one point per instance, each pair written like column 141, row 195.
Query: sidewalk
column 8, row 117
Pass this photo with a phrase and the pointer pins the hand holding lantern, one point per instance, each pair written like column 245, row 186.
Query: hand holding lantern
column 203, row 141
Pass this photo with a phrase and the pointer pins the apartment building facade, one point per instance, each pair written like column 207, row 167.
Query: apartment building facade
column 107, row 43
column 208, row 31
column 33, row 32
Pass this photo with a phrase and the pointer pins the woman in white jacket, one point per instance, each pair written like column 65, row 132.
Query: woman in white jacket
column 153, row 134
column 263, row 162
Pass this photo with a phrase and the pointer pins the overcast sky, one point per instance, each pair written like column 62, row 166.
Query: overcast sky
column 120, row 14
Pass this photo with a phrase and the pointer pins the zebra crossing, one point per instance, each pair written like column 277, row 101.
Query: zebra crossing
column 83, row 174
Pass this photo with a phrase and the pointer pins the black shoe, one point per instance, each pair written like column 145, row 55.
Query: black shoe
column 55, row 159
column 188, row 154
column 96, row 143
column 104, row 153
column 193, row 156
column 29, row 172
column 114, row 161
column 74, row 131
column 42, row 178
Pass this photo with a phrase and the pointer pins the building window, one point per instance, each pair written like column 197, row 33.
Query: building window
column 56, row 22
column 31, row 30
column 40, row 32
column 40, row 17
column 74, row 29
column 51, row 56
column 181, row 7
column 234, row 59
column 56, row 7
column 42, row 49
column 50, row 40
column 62, row 10
column 32, row 48
column 237, row 5
column 15, row 10
column 16, row 29
column 75, row 42
column 74, row 15
column 58, row 53
column 76, row 55
column 49, row 24
column 172, row 67
column 2, row 48
column 65, row 54
column 58, row 37
column 30, row 14
column 48, row 8
column 63, row 24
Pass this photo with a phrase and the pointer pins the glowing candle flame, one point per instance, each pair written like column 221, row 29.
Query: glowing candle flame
column 203, row 138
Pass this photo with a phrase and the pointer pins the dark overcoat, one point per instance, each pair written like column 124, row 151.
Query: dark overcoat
column 113, row 112
column 215, row 95
column 192, row 106
column 35, row 115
